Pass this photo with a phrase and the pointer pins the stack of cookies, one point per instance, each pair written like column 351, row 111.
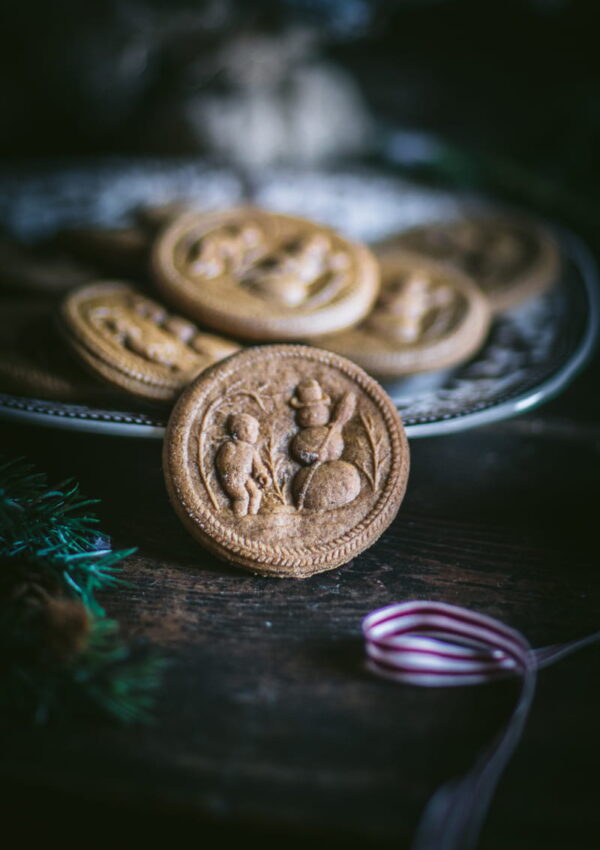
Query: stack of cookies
column 287, row 459
column 201, row 285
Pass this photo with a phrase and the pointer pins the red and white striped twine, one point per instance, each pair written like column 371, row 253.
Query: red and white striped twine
column 438, row 645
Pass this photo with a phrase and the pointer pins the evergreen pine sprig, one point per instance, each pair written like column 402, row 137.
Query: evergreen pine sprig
column 58, row 652
column 56, row 528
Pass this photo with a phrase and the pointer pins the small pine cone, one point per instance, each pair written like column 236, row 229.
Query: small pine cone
column 67, row 628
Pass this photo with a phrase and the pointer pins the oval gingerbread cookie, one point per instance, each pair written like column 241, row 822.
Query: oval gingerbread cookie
column 286, row 460
column 134, row 343
column 264, row 276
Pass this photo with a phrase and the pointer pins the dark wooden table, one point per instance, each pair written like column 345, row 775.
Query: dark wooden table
column 268, row 726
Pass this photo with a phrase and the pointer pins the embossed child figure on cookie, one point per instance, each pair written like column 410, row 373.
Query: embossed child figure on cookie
column 241, row 471
column 325, row 482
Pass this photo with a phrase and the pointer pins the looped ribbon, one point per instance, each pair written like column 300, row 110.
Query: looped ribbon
column 434, row 644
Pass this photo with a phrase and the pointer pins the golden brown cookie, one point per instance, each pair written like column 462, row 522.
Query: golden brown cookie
column 428, row 316
column 264, row 276
column 134, row 343
column 510, row 258
column 286, row 460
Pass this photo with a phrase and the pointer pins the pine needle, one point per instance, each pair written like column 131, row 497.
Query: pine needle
column 52, row 531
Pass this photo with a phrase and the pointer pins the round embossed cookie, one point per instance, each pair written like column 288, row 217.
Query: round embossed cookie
column 510, row 258
column 134, row 343
column 264, row 276
column 285, row 459
column 427, row 316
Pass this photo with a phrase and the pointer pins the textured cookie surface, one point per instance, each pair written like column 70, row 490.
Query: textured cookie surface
column 134, row 343
column 264, row 276
column 285, row 459
column 427, row 316
column 510, row 259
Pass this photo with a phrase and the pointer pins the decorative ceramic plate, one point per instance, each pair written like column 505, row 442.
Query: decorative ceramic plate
column 531, row 353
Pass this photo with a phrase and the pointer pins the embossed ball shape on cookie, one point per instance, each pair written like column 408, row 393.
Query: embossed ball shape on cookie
column 134, row 343
column 264, row 276
column 511, row 258
column 427, row 316
column 286, row 460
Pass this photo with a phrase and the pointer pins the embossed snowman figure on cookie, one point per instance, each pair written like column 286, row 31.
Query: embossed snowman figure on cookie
column 407, row 306
column 298, row 269
column 325, row 482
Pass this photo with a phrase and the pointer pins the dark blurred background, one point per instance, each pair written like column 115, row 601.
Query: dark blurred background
column 497, row 95
column 509, row 89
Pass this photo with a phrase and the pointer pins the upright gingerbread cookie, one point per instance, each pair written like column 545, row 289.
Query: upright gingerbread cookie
column 285, row 459
column 264, row 276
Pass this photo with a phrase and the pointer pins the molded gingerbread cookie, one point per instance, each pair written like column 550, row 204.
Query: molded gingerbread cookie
column 134, row 343
column 509, row 258
column 264, row 276
column 286, row 460
column 428, row 316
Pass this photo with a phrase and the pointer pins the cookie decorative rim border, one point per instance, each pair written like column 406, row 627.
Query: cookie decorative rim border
column 178, row 290
column 276, row 560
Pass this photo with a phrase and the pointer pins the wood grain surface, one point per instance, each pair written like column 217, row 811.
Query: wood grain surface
column 268, row 726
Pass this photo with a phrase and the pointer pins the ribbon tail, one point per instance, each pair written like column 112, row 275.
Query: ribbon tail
column 454, row 815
